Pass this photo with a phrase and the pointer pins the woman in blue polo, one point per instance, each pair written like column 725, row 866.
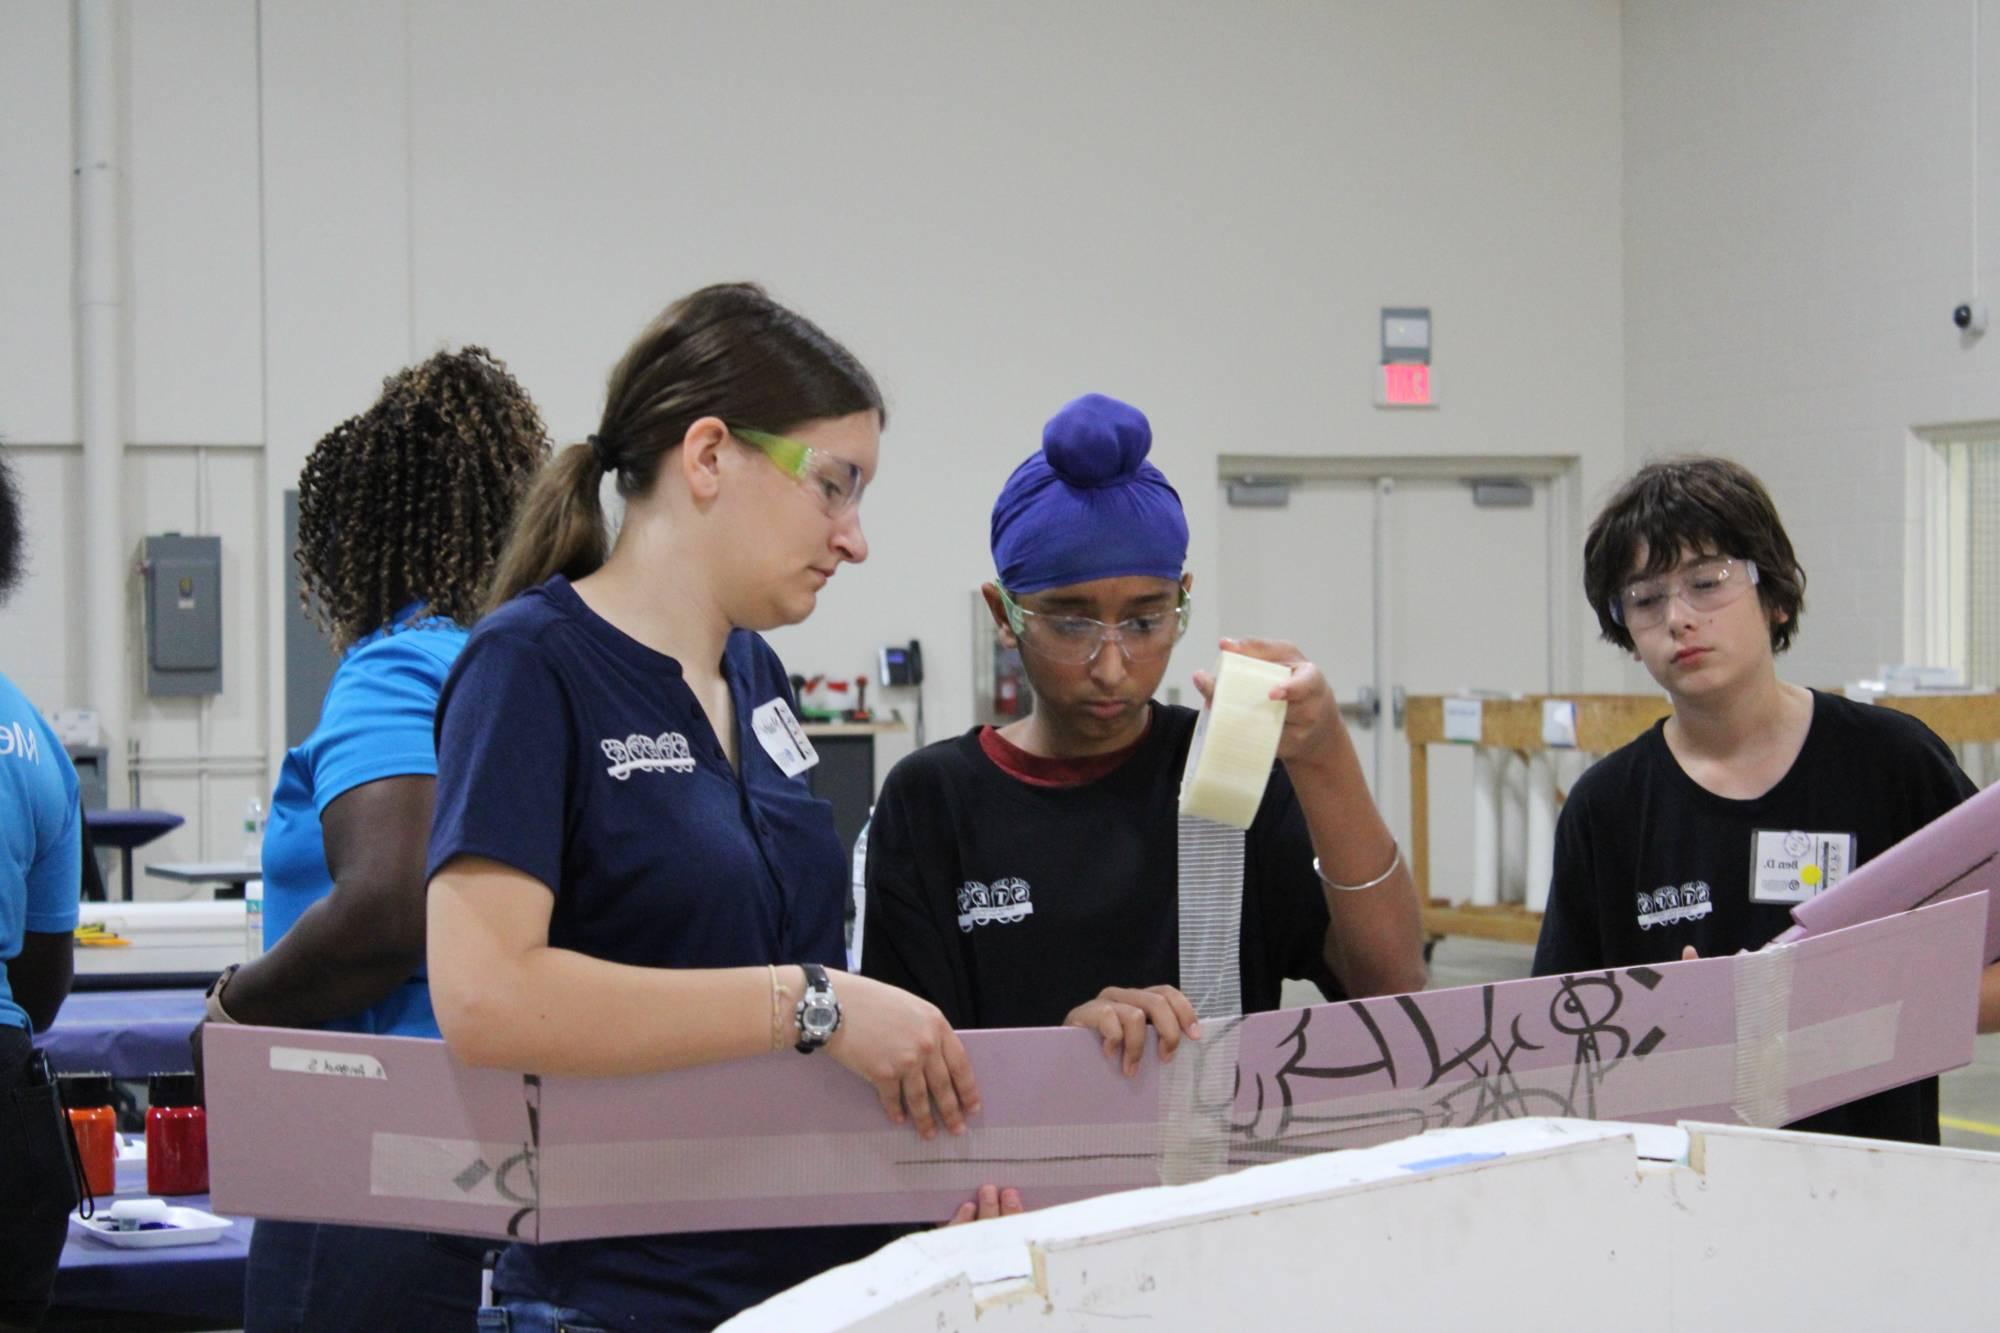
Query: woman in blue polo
column 628, row 872
column 402, row 514
column 41, row 875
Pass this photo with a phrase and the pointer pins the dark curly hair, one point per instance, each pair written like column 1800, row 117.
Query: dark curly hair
column 412, row 500
column 13, row 538
column 1699, row 506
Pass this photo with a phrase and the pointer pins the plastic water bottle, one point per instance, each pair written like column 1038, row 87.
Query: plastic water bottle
column 253, row 832
column 253, row 890
column 253, row 919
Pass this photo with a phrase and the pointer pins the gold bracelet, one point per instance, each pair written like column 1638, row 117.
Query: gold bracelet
column 777, row 1007
column 1394, row 861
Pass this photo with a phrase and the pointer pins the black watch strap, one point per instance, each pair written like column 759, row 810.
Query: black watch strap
column 816, row 980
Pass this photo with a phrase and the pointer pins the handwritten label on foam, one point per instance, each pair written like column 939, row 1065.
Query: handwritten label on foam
column 297, row 1060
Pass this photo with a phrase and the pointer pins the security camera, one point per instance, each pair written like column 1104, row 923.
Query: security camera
column 1971, row 317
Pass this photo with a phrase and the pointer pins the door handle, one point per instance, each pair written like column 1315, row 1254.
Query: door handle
column 1363, row 708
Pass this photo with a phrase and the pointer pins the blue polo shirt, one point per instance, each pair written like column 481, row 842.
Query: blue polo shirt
column 41, row 836
column 579, row 756
column 376, row 722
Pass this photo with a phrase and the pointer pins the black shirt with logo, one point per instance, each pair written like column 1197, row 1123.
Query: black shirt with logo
column 1648, row 861
column 1007, row 904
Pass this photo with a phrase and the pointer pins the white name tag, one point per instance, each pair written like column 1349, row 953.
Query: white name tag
column 782, row 737
column 1789, row 867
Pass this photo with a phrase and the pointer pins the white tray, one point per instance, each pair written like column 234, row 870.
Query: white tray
column 186, row 1226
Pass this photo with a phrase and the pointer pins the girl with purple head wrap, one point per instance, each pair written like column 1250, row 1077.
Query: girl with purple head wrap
column 1072, row 810
column 1088, row 505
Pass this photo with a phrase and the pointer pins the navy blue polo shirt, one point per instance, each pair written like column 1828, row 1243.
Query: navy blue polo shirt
column 572, row 752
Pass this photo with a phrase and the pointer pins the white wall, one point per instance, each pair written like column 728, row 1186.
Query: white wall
column 192, row 410
column 1000, row 207
column 1799, row 201
column 37, row 330
column 997, row 206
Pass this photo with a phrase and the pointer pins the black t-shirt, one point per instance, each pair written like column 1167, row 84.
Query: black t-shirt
column 1647, row 860
column 1007, row 904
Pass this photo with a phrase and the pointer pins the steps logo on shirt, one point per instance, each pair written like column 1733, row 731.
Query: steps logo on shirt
column 19, row 741
column 666, row 752
column 1664, row 906
column 1005, row 901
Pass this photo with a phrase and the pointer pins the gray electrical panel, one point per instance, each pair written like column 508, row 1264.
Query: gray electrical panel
column 183, row 615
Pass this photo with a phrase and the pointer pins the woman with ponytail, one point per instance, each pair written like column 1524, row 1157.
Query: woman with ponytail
column 626, row 876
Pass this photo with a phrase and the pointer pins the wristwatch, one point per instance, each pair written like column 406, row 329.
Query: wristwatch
column 818, row 1013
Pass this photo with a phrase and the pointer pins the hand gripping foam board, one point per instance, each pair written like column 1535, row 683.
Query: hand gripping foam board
column 1954, row 855
column 390, row 1131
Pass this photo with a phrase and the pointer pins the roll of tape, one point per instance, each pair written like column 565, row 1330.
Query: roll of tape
column 1235, row 743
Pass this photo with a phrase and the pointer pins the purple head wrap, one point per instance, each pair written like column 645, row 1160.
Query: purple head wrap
column 1088, row 505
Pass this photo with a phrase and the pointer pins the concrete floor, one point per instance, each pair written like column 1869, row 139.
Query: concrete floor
column 1969, row 1098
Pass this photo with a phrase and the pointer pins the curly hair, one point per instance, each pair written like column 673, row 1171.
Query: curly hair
column 412, row 500
column 13, row 537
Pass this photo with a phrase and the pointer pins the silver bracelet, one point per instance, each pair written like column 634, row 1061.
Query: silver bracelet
column 1394, row 862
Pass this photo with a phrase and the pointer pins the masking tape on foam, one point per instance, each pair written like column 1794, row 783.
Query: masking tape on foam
column 1235, row 743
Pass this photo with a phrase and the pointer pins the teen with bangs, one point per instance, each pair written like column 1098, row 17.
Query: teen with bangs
column 1027, row 875
column 1690, row 570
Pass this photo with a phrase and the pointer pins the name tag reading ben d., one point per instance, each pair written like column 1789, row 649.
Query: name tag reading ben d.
column 1789, row 867
column 782, row 737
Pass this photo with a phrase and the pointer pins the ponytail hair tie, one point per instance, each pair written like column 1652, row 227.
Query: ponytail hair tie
column 606, row 456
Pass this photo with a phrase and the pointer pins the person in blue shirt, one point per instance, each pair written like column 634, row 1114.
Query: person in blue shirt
column 41, row 877
column 628, row 872
column 402, row 514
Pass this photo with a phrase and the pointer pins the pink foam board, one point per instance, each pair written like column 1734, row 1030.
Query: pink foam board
column 1955, row 855
column 780, row 1140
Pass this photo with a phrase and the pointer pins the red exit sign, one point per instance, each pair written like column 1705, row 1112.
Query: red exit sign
column 1404, row 384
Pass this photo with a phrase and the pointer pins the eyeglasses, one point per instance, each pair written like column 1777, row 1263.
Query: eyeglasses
column 1078, row 639
column 834, row 483
column 1706, row 585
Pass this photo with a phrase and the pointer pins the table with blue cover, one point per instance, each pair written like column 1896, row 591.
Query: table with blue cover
column 189, row 1281
column 126, row 829
column 129, row 1034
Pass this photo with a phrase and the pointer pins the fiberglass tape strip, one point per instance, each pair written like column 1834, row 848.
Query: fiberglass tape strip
column 1211, row 917
column 1197, row 1095
column 1763, row 1008
column 1228, row 766
column 1235, row 743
